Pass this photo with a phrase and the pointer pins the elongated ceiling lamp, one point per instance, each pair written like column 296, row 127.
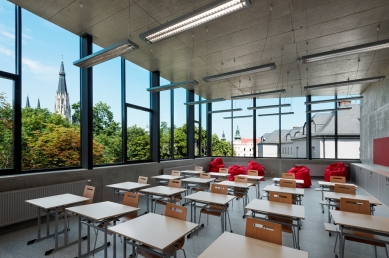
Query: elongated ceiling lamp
column 344, row 83
column 193, row 19
column 173, row 86
column 258, row 94
column 233, row 117
column 276, row 114
column 271, row 106
column 204, row 101
column 251, row 70
column 328, row 110
column 332, row 100
column 110, row 52
column 346, row 51
column 224, row 110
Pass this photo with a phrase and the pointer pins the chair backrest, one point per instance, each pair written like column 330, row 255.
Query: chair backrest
column 175, row 211
column 205, row 175
column 142, row 179
column 347, row 189
column 176, row 173
column 252, row 172
column 89, row 192
column 220, row 189
column 287, row 176
column 174, row 183
column 338, row 179
column 131, row 199
column 287, row 183
column 280, row 197
column 240, row 179
column 198, row 168
column 355, row 205
column 223, row 170
column 264, row 230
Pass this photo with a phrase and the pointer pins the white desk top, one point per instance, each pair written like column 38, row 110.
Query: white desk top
column 102, row 210
column 253, row 177
column 57, row 201
column 208, row 197
column 163, row 190
column 198, row 180
column 337, row 196
column 154, row 230
column 362, row 221
column 294, row 191
column 217, row 174
column 233, row 245
column 128, row 186
column 167, row 177
column 235, row 184
column 333, row 183
column 298, row 181
column 277, row 208
column 193, row 172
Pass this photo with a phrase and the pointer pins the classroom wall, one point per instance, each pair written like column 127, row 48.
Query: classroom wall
column 374, row 116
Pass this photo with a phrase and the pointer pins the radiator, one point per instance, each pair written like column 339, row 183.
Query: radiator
column 315, row 169
column 13, row 207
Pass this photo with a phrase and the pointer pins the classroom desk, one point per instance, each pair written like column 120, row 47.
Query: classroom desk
column 282, row 210
column 324, row 184
column 198, row 181
column 230, row 245
column 209, row 198
column 96, row 214
column 277, row 180
column 332, row 196
column 126, row 186
column 217, row 174
column 298, row 192
column 258, row 181
column 163, row 191
column 361, row 223
column 165, row 178
column 189, row 173
column 52, row 206
column 154, row 230
column 243, row 186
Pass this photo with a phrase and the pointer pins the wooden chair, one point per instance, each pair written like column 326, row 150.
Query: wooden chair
column 241, row 193
column 287, row 176
column 172, row 211
column 254, row 182
column 142, row 179
column 176, row 173
column 336, row 179
column 203, row 187
column 216, row 210
column 264, row 230
column 347, row 189
column 222, row 171
column 283, row 198
column 176, row 198
column 89, row 192
column 289, row 183
column 130, row 199
column 198, row 168
column 361, row 207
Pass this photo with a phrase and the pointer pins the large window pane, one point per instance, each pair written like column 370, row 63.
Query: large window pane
column 294, row 126
column 243, row 129
column 180, row 131
column 221, row 130
column 268, row 129
column 138, row 134
column 203, row 126
column 166, row 125
column 7, row 37
column 6, row 124
column 50, row 128
column 138, row 80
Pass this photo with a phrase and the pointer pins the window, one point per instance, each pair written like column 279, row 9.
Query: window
column 203, row 125
column 221, row 130
column 166, row 123
column 180, row 131
column 50, row 95
column 138, row 135
column 7, row 37
column 243, row 127
column 268, row 128
column 6, row 124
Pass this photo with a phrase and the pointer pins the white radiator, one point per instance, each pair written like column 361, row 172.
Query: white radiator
column 315, row 169
column 13, row 207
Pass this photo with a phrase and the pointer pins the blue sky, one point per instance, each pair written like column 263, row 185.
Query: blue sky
column 44, row 46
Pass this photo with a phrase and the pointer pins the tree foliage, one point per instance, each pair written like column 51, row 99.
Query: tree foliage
column 6, row 133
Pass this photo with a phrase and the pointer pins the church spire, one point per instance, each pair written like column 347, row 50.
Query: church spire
column 223, row 136
column 39, row 104
column 28, row 102
column 237, row 133
column 62, row 104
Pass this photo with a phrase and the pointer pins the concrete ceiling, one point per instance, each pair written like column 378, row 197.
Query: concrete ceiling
column 251, row 37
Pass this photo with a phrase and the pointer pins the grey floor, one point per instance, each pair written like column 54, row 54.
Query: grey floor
column 313, row 238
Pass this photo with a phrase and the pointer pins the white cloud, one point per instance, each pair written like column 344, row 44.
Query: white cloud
column 7, row 34
column 6, row 51
column 26, row 36
column 37, row 68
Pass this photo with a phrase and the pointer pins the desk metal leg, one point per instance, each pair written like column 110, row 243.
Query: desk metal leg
column 341, row 241
column 147, row 202
column 88, row 242
column 47, row 223
column 114, row 245
column 79, row 236
column 105, row 240
column 329, row 215
column 39, row 222
column 298, row 234
column 124, row 247
column 66, row 228
column 114, row 195
column 56, row 229
column 133, row 248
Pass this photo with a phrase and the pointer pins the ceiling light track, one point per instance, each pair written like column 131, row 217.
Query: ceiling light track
column 332, row 100
column 344, row 83
column 252, row 95
column 224, row 110
column 173, row 86
column 328, row 110
column 204, row 101
column 271, row 106
column 242, row 72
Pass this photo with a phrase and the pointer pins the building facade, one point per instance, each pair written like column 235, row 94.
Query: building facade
column 243, row 147
column 62, row 104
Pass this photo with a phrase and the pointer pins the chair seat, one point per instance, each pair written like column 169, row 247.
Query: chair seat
column 212, row 210
column 199, row 189
column 365, row 241
column 285, row 228
column 146, row 254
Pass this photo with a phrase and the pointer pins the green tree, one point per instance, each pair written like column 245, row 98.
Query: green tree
column 221, row 148
column 138, row 145
column 165, row 141
column 6, row 133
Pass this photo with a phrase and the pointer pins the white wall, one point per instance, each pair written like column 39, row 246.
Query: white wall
column 348, row 149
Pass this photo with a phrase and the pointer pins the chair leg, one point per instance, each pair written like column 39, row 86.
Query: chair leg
column 386, row 250
column 184, row 252
column 229, row 221
column 336, row 240
column 375, row 251
column 94, row 248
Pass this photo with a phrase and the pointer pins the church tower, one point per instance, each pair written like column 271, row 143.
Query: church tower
column 62, row 104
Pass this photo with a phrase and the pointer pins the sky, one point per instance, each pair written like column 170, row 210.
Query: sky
column 45, row 45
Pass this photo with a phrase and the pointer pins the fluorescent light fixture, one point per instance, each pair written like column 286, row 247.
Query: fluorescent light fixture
column 224, row 110
column 346, row 51
column 251, row 70
column 344, row 83
column 106, row 54
column 271, row 106
column 328, row 110
column 332, row 100
column 276, row 114
column 258, row 94
column 233, row 117
column 173, row 86
column 204, row 101
column 193, row 19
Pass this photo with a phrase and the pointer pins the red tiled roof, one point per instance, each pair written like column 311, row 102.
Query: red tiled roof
column 248, row 140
